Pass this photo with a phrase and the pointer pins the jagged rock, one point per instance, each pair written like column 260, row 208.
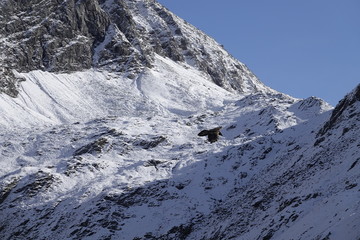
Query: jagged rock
column 39, row 182
column 5, row 190
column 50, row 36
column 346, row 104
column 76, row 35
column 152, row 143
column 141, row 195
column 179, row 232
column 94, row 147
column 153, row 163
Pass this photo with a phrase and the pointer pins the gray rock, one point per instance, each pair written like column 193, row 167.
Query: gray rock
column 123, row 36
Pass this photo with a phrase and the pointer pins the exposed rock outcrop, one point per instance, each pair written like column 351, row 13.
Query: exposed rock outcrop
column 345, row 110
column 64, row 36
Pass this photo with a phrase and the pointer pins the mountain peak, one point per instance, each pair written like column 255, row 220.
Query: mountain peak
column 100, row 134
column 118, row 35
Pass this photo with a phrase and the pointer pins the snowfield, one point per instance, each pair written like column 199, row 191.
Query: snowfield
column 101, row 105
column 96, row 155
column 48, row 98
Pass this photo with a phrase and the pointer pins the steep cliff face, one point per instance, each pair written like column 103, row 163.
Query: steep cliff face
column 71, row 35
column 48, row 35
column 345, row 110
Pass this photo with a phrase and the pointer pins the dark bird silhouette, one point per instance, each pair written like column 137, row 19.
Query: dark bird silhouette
column 212, row 134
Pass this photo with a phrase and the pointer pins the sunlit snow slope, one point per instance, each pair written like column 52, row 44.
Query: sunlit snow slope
column 47, row 98
column 94, row 155
column 101, row 104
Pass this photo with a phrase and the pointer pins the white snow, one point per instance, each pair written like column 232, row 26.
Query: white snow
column 47, row 98
column 97, row 155
column 267, row 138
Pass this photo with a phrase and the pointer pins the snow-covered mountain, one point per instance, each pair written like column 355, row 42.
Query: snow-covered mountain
column 121, row 36
column 101, row 108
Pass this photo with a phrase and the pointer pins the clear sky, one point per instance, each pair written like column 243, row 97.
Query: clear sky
column 301, row 48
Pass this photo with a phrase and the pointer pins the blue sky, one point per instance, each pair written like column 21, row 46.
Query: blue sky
column 301, row 48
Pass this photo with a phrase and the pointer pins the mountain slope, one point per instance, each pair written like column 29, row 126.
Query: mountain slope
column 99, row 134
column 308, row 190
column 103, row 178
column 119, row 36
column 48, row 98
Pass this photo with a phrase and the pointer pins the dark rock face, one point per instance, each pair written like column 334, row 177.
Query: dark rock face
column 154, row 142
column 49, row 35
column 345, row 110
column 94, row 147
column 65, row 36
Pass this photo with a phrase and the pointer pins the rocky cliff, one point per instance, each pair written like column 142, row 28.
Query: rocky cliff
column 72, row 35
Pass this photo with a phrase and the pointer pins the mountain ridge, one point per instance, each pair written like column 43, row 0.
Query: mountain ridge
column 122, row 36
column 112, row 151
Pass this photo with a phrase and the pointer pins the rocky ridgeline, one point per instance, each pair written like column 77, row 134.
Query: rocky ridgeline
column 72, row 35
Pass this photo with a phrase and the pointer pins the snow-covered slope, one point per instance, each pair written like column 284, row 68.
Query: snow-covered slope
column 108, row 156
column 107, row 147
column 168, row 87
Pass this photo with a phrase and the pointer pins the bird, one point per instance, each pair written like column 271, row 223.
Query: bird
column 212, row 134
